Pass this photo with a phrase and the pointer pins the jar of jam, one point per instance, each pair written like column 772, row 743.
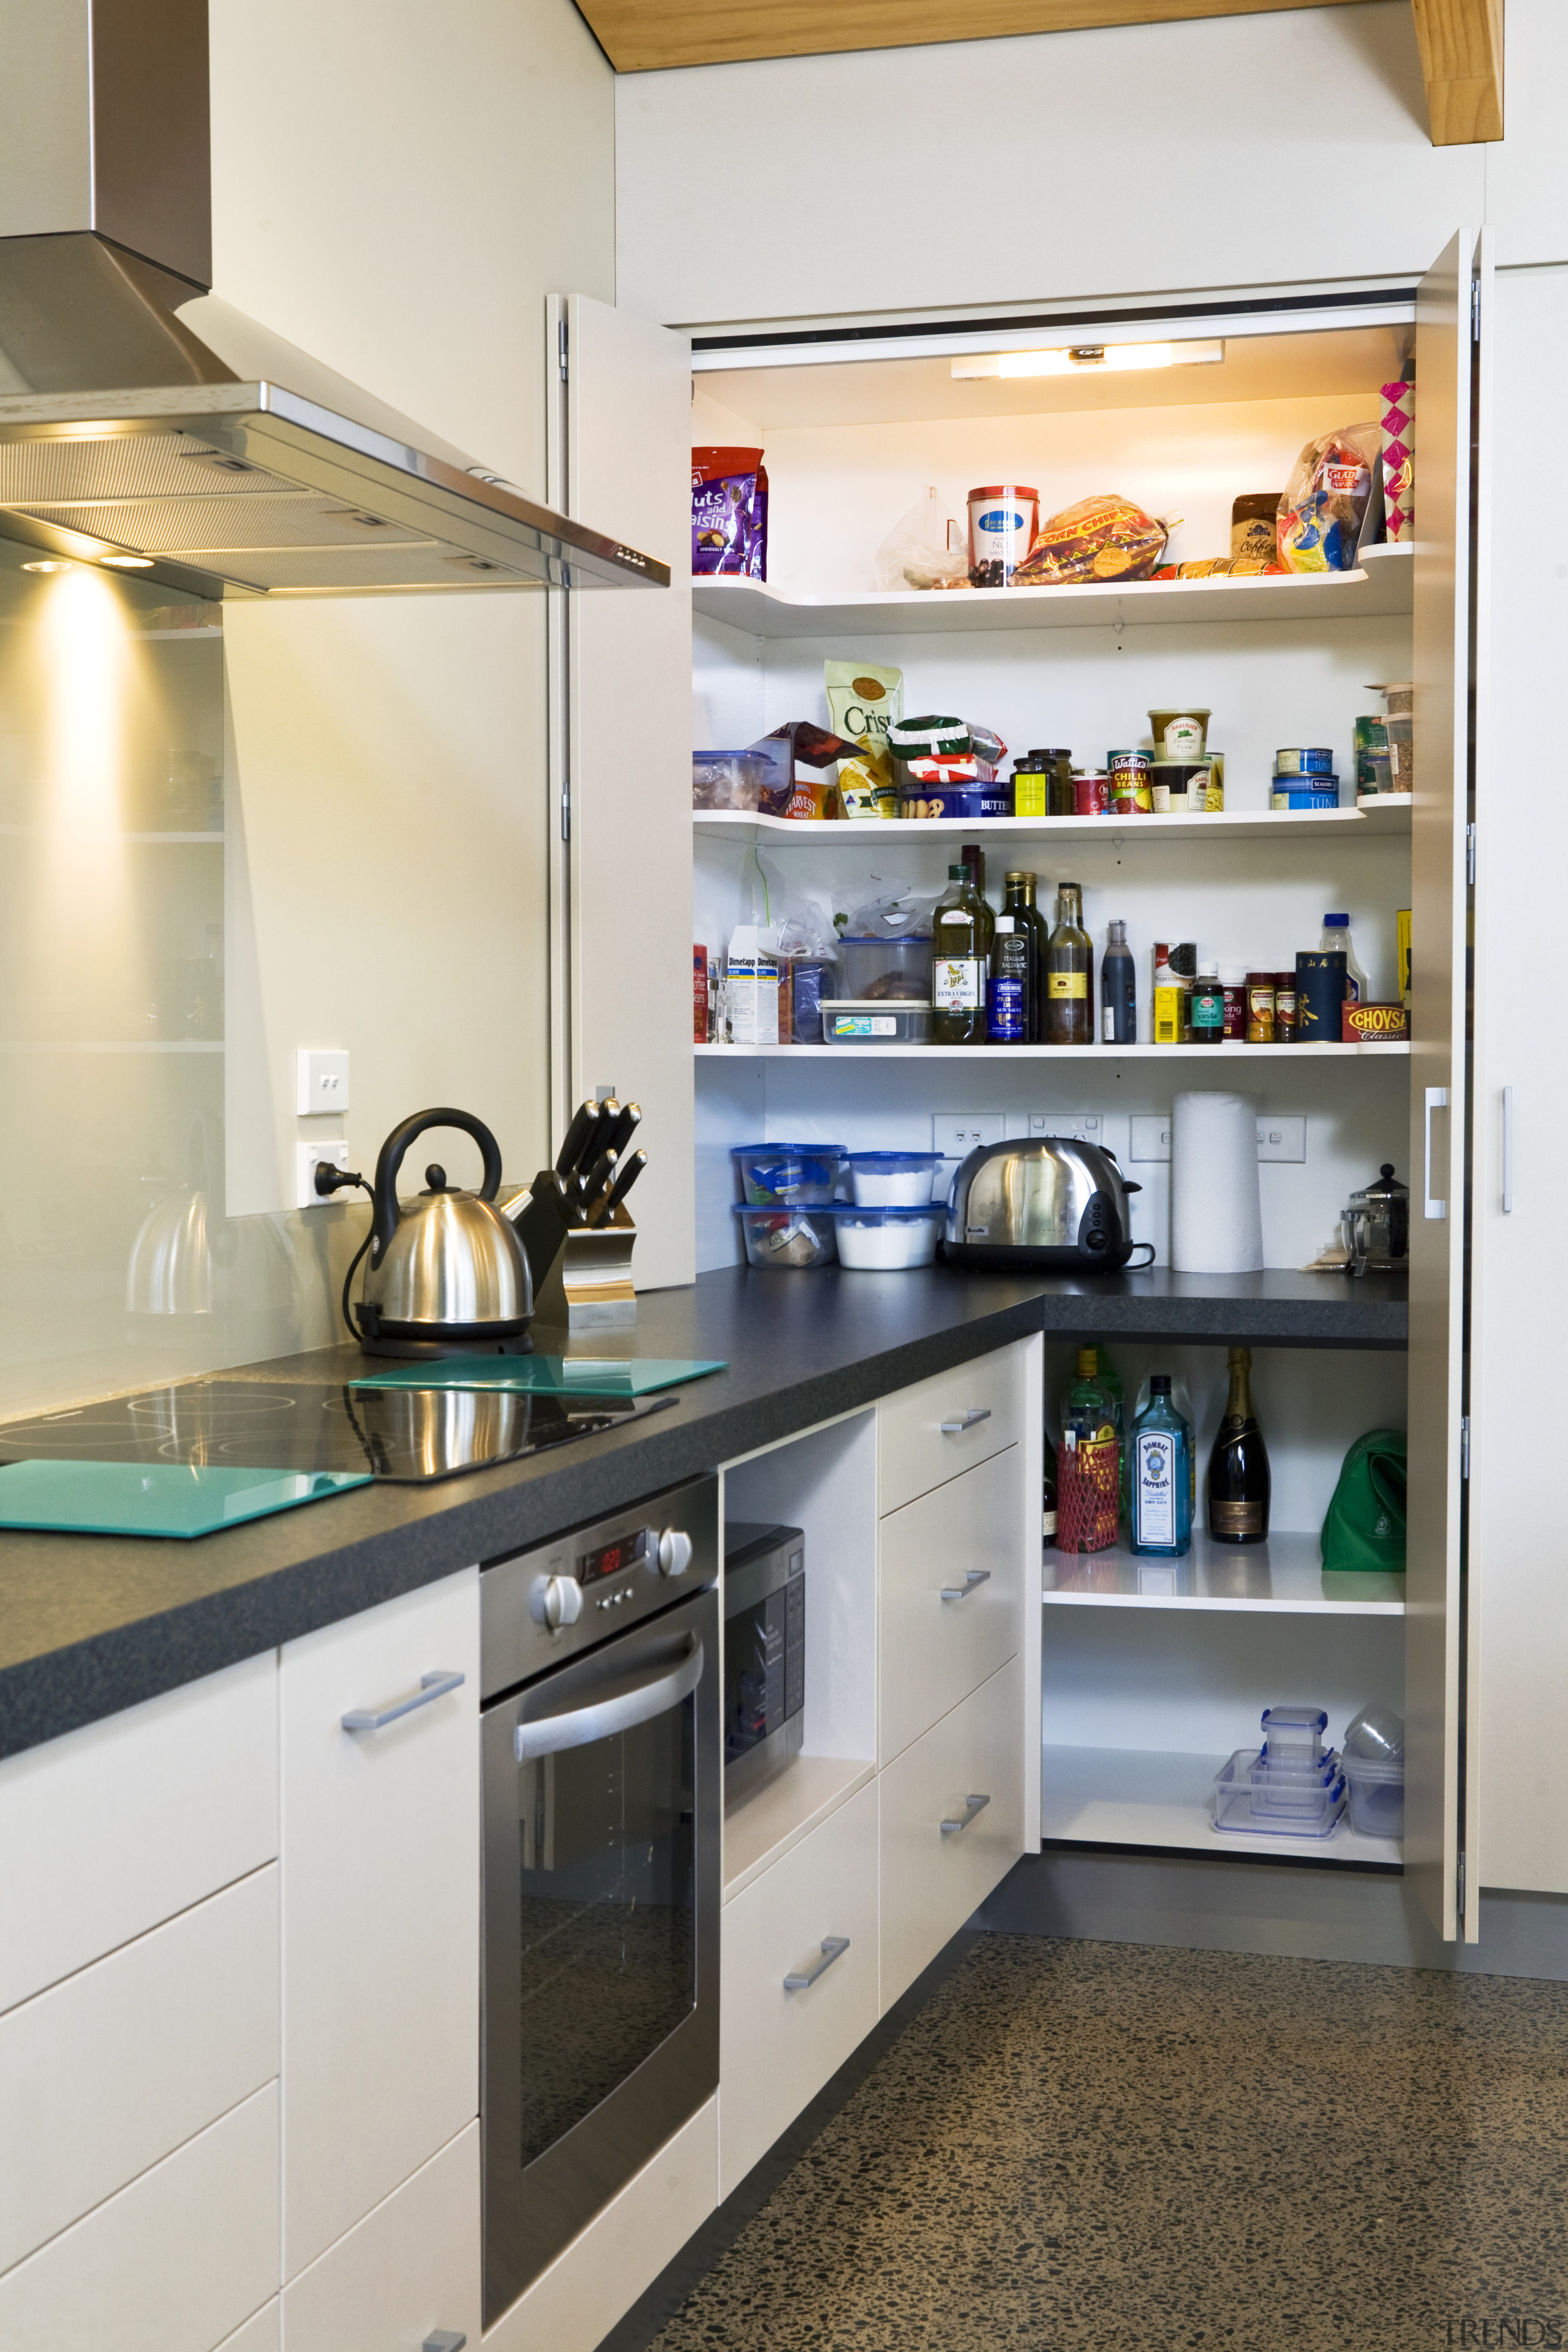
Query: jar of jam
column 1260, row 1008
column 1284, row 1008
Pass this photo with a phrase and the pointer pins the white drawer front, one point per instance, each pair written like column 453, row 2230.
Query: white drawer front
column 380, row 1908
column 934, row 1879
column 108, row 2073
column 155, row 1808
column 948, row 1586
column 928, row 1434
column 777, row 2048
column 174, row 2263
column 264, row 2333
column 410, row 2269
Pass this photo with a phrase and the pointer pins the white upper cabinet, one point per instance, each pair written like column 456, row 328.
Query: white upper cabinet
column 381, row 1904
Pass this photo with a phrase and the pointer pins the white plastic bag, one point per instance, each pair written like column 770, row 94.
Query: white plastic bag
column 925, row 549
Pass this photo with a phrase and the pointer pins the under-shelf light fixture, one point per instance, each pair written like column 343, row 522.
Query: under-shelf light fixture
column 1087, row 359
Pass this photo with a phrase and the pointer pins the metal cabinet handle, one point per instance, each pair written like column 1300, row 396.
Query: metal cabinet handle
column 432, row 1685
column 833, row 1948
column 1436, row 1099
column 972, row 1805
column 1508, row 1151
column 445, row 2339
column 972, row 1577
column 966, row 1419
column 579, row 1727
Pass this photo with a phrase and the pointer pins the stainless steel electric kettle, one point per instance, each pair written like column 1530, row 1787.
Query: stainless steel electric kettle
column 445, row 1273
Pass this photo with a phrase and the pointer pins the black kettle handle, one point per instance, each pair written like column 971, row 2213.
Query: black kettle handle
column 384, row 1222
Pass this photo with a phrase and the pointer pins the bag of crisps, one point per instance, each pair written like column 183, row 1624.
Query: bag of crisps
column 1105, row 538
column 1324, row 502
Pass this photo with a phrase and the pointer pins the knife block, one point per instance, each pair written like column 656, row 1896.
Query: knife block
column 589, row 1284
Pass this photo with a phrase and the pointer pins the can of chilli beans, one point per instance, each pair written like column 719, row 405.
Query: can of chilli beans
column 1130, row 793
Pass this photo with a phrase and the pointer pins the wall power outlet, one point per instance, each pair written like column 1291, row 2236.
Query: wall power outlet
column 308, row 1158
column 956, row 1133
column 1277, row 1139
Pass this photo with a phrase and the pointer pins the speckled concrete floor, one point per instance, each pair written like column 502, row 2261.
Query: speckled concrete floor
column 1082, row 2144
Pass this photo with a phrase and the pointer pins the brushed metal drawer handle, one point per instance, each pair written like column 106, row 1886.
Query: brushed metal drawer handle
column 833, row 1949
column 972, row 1805
column 444, row 2339
column 432, row 1685
column 973, row 1577
column 966, row 1421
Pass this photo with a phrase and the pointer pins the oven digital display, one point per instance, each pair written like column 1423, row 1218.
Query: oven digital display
column 611, row 1557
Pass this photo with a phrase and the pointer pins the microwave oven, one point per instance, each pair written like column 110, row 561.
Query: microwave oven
column 764, row 1652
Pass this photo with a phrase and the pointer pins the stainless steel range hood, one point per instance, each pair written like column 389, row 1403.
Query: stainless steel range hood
column 140, row 416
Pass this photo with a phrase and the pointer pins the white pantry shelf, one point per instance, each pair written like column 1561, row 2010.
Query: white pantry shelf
column 1285, row 1576
column 1222, row 1056
column 1298, row 827
column 1136, row 1796
column 1383, row 584
column 112, row 1045
column 765, row 1825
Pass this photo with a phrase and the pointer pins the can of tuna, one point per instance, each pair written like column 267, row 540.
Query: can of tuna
column 1003, row 520
column 1304, row 759
column 1319, row 793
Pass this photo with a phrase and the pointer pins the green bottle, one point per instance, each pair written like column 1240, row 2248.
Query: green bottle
column 1070, row 973
column 1020, row 904
column 961, row 927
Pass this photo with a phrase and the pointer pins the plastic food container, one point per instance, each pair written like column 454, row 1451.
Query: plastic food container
column 1321, row 792
column 1262, row 1809
column 875, row 1021
column 728, row 780
column 782, row 1175
column 1180, row 731
column 1376, row 1797
column 897, row 968
column 790, row 1239
column 892, row 1180
column 1304, row 759
column 1294, row 1734
column 887, row 1239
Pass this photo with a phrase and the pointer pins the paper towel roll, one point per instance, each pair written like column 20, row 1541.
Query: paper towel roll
column 1216, row 1223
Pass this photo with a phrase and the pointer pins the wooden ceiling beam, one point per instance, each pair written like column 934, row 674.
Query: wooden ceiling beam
column 1461, row 57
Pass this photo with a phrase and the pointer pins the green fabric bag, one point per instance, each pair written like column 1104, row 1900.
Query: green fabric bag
column 1365, row 1526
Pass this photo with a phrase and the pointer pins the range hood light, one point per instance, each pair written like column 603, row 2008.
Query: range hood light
column 1083, row 358
column 122, row 562
column 45, row 567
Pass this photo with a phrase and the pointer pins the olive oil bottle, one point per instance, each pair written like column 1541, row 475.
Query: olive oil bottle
column 1070, row 973
column 960, row 961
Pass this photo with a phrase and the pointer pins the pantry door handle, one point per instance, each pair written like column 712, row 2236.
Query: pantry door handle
column 972, row 1805
column 1436, row 1099
column 444, row 2339
column 966, row 1421
column 972, row 1577
column 434, row 1686
column 1508, row 1151
column 833, row 1949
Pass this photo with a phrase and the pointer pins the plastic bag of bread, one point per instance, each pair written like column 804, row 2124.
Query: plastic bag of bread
column 1325, row 499
column 1105, row 538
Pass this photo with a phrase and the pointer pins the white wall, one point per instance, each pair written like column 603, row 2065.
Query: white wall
column 398, row 194
column 1235, row 151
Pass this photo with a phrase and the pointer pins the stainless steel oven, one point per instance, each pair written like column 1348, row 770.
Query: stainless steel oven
column 603, row 1811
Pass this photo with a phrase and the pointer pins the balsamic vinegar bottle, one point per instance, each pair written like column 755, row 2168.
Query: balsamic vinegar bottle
column 1238, row 1484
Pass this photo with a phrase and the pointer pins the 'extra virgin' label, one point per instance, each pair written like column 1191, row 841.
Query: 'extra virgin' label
column 955, row 983
column 1154, row 1488
column 1067, row 983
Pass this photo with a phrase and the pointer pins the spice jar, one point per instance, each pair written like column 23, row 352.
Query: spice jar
column 1233, row 981
column 1284, row 1008
column 1260, row 1008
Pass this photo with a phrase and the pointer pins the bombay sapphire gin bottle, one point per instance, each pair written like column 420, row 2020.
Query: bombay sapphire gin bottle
column 1162, row 1474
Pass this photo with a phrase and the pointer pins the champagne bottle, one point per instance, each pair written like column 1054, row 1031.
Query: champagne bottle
column 1238, row 1487
column 1048, row 1499
column 960, row 955
column 1070, row 973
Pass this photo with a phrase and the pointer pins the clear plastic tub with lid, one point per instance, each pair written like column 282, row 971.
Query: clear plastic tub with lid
column 788, row 1240
column 1268, row 1808
column 777, row 1175
column 1294, row 1734
column 874, row 969
column 888, row 1240
column 892, row 1180
column 1376, row 1796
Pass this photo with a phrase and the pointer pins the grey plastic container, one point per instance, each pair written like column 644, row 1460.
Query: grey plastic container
column 1376, row 1797
column 899, row 969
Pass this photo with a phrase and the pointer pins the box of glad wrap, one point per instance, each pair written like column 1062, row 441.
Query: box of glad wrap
column 1373, row 1025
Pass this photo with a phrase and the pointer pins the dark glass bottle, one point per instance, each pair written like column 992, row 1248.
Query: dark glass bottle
column 960, row 963
column 1070, row 973
column 1027, row 917
column 1118, row 990
column 974, row 857
column 1239, row 1488
column 1048, row 1499
column 1010, row 996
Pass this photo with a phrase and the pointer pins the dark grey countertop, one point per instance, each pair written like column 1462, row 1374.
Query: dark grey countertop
column 90, row 1624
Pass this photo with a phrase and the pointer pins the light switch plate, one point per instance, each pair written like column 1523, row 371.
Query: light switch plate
column 308, row 1157
column 323, row 1082
column 956, row 1133
column 1087, row 1126
column 1277, row 1139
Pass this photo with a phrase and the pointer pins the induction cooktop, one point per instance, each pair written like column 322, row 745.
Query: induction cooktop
column 403, row 1436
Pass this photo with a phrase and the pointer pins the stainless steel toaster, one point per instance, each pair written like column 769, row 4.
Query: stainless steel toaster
column 1041, row 1201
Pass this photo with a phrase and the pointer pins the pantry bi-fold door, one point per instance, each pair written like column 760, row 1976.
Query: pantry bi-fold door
column 619, row 450
column 1450, row 522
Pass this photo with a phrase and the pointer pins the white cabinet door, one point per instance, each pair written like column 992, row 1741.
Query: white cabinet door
column 1450, row 302
column 813, row 1914
column 620, row 452
column 408, row 2271
column 950, row 1578
column 380, row 1837
column 174, row 2263
column 156, row 1807
column 105, row 2074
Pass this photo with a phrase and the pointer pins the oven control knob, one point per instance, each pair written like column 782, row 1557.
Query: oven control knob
column 556, row 1600
column 674, row 1552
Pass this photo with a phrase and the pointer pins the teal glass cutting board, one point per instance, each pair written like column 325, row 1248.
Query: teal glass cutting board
column 546, row 1375
column 149, row 1499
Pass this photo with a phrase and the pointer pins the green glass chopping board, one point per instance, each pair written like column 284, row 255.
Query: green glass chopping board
column 154, row 1498
column 546, row 1375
